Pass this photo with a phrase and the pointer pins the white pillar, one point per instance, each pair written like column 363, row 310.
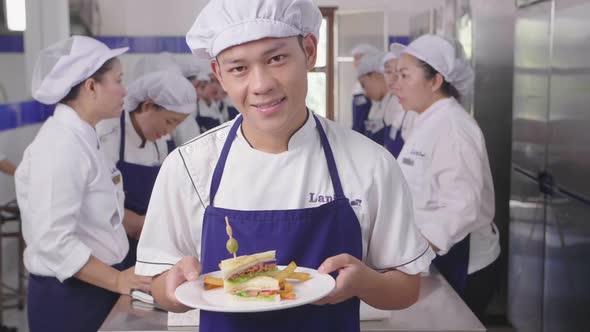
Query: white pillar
column 47, row 23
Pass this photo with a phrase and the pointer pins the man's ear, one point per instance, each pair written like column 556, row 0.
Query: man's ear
column 217, row 72
column 310, row 48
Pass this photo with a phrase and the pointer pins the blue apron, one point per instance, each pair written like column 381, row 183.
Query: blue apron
column 205, row 122
column 71, row 306
column 395, row 145
column 361, row 105
column 453, row 266
column 138, row 182
column 232, row 112
column 375, row 130
column 307, row 236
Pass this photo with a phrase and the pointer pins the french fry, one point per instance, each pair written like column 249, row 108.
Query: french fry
column 211, row 282
column 210, row 287
column 301, row 276
column 288, row 287
column 288, row 296
column 286, row 272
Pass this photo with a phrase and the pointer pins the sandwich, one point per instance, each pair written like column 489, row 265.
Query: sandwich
column 249, row 278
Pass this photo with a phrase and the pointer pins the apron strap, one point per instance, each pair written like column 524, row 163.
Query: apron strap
column 218, row 172
column 122, row 138
column 338, row 192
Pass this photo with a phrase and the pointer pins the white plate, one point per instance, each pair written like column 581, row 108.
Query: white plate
column 192, row 294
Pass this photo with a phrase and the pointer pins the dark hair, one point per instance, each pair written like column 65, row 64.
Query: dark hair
column 97, row 76
column 447, row 88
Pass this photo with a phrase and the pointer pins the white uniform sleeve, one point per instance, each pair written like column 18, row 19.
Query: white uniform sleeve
column 457, row 165
column 395, row 241
column 2, row 156
column 172, row 227
column 53, row 187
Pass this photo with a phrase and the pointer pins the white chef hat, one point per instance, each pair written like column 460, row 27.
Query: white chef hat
column 370, row 63
column 67, row 63
column 155, row 62
column 364, row 48
column 389, row 56
column 165, row 88
column 226, row 23
column 194, row 69
column 444, row 55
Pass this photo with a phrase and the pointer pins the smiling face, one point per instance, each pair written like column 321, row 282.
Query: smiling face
column 155, row 121
column 267, row 82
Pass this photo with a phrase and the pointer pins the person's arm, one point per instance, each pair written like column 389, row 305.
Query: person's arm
column 133, row 223
column 392, row 290
column 395, row 245
column 6, row 166
column 164, row 285
column 459, row 167
column 170, row 239
column 104, row 276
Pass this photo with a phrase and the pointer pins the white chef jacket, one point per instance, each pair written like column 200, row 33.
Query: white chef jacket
column 394, row 117
column 295, row 179
column 109, row 133
column 187, row 130
column 71, row 199
column 446, row 165
column 209, row 111
column 376, row 116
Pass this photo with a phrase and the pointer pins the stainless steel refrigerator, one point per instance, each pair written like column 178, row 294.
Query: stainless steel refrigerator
column 549, row 249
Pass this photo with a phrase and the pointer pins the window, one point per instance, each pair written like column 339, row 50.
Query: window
column 320, row 95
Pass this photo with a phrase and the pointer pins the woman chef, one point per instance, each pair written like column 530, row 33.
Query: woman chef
column 398, row 122
column 71, row 196
column 137, row 141
column 446, row 165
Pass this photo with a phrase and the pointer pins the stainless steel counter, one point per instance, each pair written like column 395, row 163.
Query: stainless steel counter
column 439, row 308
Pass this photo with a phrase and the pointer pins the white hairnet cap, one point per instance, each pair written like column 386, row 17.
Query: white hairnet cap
column 192, row 68
column 370, row 63
column 155, row 62
column 445, row 56
column 365, row 49
column 67, row 63
column 389, row 56
column 165, row 88
column 226, row 23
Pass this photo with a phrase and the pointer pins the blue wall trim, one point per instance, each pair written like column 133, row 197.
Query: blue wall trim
column 12, row 44
column 23, row 114
column 399, row 39
column 148, row 44
column 15, row 44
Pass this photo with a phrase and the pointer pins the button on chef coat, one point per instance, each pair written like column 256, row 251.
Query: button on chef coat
column 445, row 162
column 71, row 199
column 295, row 179
column 109, row 133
